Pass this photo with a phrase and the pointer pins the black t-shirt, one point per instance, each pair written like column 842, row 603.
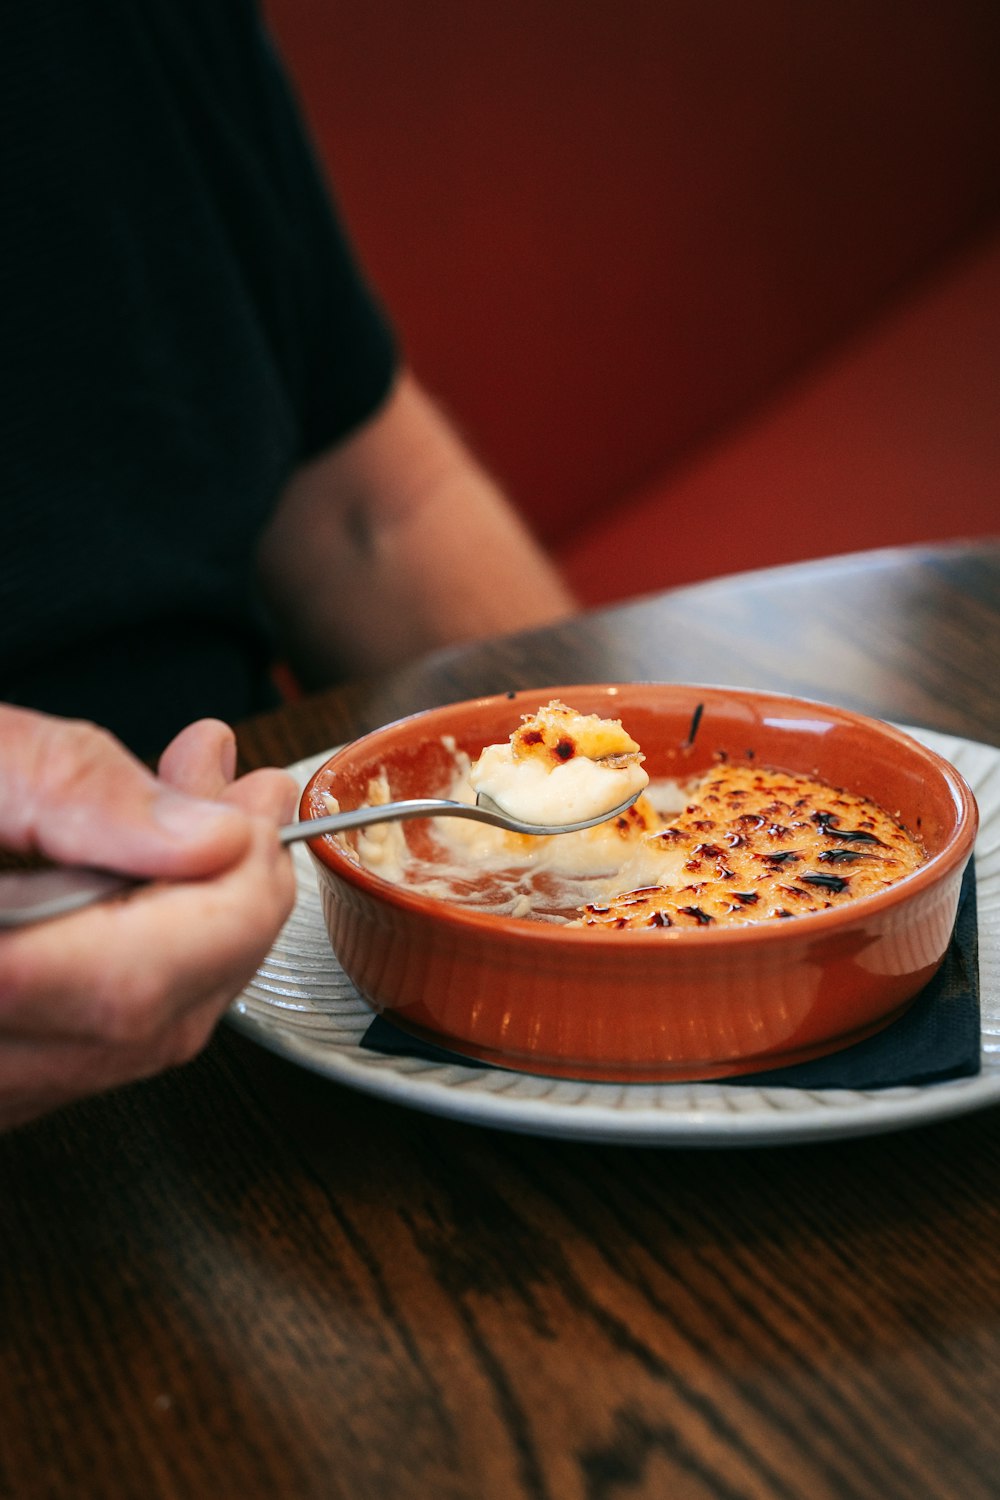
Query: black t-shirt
column 181, row 324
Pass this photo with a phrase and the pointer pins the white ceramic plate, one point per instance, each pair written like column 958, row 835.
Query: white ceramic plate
column 301, row 1005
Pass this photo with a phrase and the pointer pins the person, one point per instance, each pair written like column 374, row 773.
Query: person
column 215, row 460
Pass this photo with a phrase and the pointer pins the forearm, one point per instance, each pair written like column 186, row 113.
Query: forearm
column 396, row 543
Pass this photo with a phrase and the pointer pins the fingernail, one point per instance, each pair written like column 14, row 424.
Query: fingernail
column 227, row 757
column 188, row 817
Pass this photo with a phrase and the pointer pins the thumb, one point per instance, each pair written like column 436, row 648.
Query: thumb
column 71, row 792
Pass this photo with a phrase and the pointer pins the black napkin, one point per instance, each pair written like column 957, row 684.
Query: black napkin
column 938, row 1037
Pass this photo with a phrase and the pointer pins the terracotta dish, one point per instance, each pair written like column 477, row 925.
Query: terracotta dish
column 655, row 1004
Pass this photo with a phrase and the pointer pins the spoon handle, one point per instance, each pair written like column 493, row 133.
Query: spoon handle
column 28, row 896
column 35, row 895
column 388, row 812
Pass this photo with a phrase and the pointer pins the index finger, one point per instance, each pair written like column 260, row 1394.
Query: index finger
column 71, row 792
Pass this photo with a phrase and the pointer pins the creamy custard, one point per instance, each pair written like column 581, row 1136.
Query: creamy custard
column 560, row 766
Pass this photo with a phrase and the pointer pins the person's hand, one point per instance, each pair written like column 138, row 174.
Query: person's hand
column 132, row 985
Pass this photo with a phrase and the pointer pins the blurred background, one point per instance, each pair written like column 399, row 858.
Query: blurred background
column 707, row 285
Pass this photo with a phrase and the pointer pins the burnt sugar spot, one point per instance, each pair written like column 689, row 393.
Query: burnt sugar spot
column 824, row 879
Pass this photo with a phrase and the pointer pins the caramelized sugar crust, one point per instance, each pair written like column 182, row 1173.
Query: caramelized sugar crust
column 557, row 733
column 753, row 844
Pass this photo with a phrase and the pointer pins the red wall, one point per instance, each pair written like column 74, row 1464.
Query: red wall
column 605, row 228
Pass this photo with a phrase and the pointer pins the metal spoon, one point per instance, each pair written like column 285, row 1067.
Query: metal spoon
column 35, row 895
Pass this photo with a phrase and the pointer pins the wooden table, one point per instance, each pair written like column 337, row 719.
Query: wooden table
column 242, row 1279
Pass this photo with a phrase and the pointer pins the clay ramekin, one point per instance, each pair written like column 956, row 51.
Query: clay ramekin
column 663, row 1004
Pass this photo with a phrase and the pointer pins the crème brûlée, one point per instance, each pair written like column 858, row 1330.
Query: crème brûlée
column 561, row 766
column 753, row 844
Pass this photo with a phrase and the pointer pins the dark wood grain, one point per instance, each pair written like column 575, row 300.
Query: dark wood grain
column 242, row 1280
